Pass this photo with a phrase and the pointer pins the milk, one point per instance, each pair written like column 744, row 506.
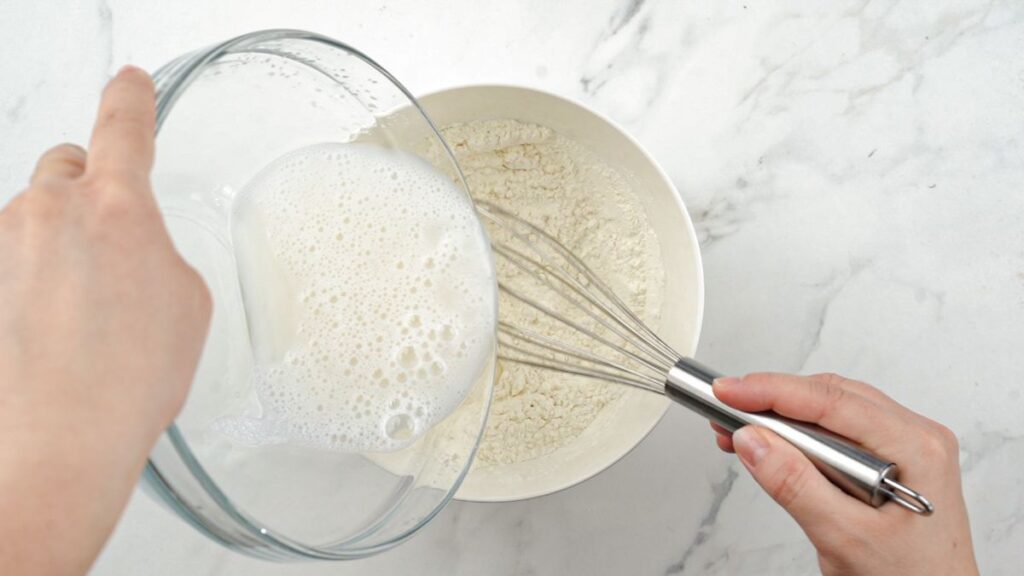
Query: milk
column 369, row 291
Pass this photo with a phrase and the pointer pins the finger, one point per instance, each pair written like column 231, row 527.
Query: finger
column 864, row 389
column 813, row 400
column 724, row 443
column 904, row 414
column 720, row 429
column 722, row 437
column 792, row 481
column 62, row 162
column 122, row 139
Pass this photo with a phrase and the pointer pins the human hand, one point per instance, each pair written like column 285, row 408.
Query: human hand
column 852, row 538
column 101, row 328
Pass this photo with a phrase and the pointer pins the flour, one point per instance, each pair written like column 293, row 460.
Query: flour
column 559, row 185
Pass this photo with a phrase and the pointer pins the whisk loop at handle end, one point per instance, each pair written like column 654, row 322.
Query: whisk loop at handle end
column 856, row 471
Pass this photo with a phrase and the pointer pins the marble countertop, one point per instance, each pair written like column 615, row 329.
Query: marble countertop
column 855, row 172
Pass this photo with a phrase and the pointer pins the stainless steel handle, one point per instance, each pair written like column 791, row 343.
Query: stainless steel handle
column 858, row 472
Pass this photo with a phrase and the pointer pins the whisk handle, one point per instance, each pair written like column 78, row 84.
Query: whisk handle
column 858, row 472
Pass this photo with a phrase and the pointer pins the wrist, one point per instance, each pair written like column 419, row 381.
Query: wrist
column 68, row 473
column 84, row 417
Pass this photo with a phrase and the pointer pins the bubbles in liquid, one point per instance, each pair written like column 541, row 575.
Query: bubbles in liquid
column 363, row 340
column 399, row 427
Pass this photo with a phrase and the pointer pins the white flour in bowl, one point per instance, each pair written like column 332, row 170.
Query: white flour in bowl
column 559, row 185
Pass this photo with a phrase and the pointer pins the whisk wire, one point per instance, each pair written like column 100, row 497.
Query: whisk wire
column 619, row 327
column 586, row 295
column 581, row 329
column 580, row 371
column 594, row 280
column 562, row 348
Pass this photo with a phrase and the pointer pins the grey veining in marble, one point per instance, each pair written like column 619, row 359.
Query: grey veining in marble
column 855, row 171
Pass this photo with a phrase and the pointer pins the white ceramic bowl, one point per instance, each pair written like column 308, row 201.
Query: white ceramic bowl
column 617, row 430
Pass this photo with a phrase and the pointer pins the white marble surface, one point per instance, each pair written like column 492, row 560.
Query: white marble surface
column 855, row 170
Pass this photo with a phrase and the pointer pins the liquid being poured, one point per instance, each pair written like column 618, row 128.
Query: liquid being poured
column 370, row 296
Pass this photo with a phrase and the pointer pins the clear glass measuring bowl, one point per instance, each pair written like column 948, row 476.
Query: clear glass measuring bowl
column 224, row 113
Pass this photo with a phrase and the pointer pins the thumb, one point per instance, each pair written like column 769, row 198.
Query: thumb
column 793, row 481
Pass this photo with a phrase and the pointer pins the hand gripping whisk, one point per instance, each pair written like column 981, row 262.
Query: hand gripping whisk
column 622, row 349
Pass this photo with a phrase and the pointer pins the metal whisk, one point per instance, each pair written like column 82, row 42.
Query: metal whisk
column 621, row 348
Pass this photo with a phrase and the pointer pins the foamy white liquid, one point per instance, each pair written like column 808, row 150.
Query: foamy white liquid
column 370, row 295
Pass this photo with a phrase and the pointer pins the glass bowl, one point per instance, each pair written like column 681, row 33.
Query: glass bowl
column 224, row 113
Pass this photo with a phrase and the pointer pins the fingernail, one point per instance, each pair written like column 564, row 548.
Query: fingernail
column 750, row 445
column 725, row 381
column 128, row 68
